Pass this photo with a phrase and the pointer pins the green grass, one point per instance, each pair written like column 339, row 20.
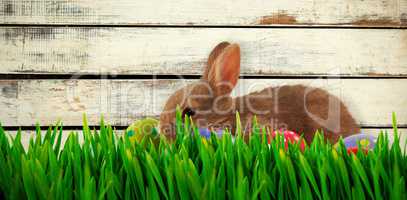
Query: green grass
column 107, row 166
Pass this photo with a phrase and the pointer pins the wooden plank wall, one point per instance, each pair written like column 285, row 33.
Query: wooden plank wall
column 60, row 58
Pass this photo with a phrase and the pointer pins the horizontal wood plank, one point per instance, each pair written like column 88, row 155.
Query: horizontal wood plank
column 25, row 102
column 205, row 12
column 60, row 50
column 26, row 135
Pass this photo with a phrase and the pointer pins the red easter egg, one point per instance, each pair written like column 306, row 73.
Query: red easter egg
column 289, row 136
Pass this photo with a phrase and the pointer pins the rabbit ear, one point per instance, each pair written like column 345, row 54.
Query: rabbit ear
column 211, row 59
column 224, row 73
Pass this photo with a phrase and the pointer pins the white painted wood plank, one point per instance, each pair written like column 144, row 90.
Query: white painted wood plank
column 184, row 50
column 8, row 108
column 203, row 12
column 371, row 101
column 26, row 135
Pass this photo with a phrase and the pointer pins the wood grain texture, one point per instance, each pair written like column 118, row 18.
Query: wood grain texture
column 403, row 12
column 26, row 102
column 26, row 135
column 279, row 51
column 204, row 12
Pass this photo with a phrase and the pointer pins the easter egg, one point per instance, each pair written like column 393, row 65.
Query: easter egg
column 289, row 137
column 206, row 133
column 366, row 141
column 142, row 128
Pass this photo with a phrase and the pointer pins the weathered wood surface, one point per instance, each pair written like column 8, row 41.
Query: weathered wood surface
column 25, row 102
column 205, row 12
column 26, row 135
column 279, row 51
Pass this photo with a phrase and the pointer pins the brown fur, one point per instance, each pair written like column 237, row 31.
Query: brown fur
column 298, row 108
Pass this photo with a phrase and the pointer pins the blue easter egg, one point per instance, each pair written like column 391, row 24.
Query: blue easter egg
column 206, row 133
column 366, row 140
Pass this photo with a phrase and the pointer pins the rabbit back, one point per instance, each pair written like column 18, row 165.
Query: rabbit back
column 299, row 108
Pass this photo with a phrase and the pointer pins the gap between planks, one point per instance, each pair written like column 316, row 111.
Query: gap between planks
column 48, row 76
column 272, row 26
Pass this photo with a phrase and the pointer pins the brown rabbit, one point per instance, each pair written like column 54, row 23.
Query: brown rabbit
column 298, row 108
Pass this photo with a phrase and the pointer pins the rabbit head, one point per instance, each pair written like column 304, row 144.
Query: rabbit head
column 207, row 101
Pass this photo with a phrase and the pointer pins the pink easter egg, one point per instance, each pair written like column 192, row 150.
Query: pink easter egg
column 289, row 136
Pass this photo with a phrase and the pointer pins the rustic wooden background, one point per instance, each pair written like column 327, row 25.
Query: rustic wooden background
column 62, row 58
